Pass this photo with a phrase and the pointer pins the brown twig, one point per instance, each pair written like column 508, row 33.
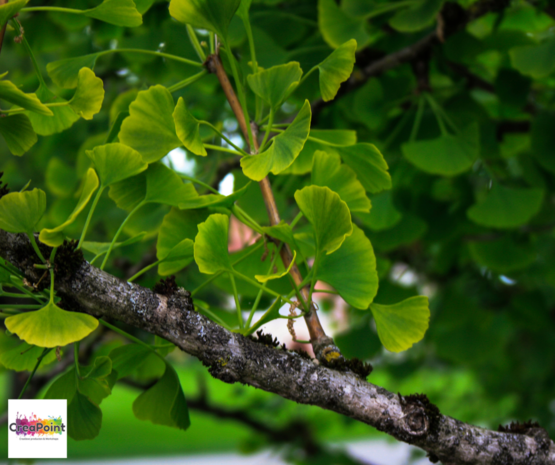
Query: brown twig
column 324, row 348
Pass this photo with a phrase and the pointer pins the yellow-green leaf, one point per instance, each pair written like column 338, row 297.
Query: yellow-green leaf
column 88, row 97
column 65, row 72
column 116, row 162
column 211, row 251
column 214, row 15
column 267, row 277
column 51, row 326
column 118, row 12
column 402, row 324
column 274, row 85
column 21, row 211
column 9, row 10
column 18, row 133
column 187, row 128
column 336, row 69
column 10, row 93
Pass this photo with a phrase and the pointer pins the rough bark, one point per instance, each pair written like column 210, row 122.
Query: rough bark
column 234, row 358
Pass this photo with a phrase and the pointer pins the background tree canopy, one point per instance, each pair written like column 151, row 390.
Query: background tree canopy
column 406, row 147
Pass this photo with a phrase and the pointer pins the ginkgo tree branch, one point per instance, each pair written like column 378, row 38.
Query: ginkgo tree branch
column 233, row 358
column 324, row 347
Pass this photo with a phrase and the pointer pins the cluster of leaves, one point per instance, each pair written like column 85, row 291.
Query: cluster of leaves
column 464, row 205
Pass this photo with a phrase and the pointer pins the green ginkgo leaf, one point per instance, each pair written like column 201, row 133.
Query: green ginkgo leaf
column 20, row 212
column 274, row 85
column 535, row 60
column 214, row 15
column 18, row 133
column 64, row 387
column 118, row 12
column 328, row 171
column 268, row 277
column 88, row 97
column 282, row 232
column 187, row 128
column 447, row 155
column 506, row 207
column 503, row 255
column 283, row 151
column 418, row 16
column 336, row 69
column 384, row 215
column 51, row 326
column 211, row 251
column 320, row 139
column 177, row 227
column 369, row 165
column 10, row 93
column 164, row 403
column 150, row 128
column 337, row 27
column 65, row 72
column 175, row 259
column 158, row 184
column 9, row 10
column 100, row 248
column 402, row 324
column 329, row 215
column 55, row 237
column 126, row 359
column 84, row 416
column 23, row 357
column 116, row 162
column 63, row 117
column 351, row 270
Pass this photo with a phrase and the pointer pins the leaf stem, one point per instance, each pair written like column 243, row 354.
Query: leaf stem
column 152, row 52
column 17, row 27
column 144, row 270
column 268, row 130
column 417, row 119
column 200, row 183
column 190, row 80
column 89, row 216
column 217, row 131
column 222, row 149
column 257, row 284
column 195, row 43
column 35, row 246
column 118, row 233
column 76, row 359
column 39, row 360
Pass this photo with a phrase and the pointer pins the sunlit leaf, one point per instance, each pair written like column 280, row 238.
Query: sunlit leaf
column 417, row 16
column 18, row 133
column 447, row 155
column 116, row 162
column 187, row 128
column 351, row 270
column 21, row 211
column 337, row 27
column 328, row 214
column 118, row 12
column 51, row 326
column 274, row 85
column 65, row 72
column 283, row 151
column 403, row 324
column 88, row 97
column 336, row 69
column 328, row 171
column 150, row 128
column 506, row 207
column 211, row 253
column 214, row 15
column 10, row 93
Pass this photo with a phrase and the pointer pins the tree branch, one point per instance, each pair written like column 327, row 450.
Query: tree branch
column 233, row 358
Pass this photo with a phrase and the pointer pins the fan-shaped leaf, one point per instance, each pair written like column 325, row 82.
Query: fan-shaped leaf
column 24, row 357
column 416, row 17
column 10, row 93
column 283, row 151
column 65, row 72
column 337, row 27
column 150, row 128
column 187, row 128
column 403, row 324
column 369, row 165
column 351, row 270
column 274, row 85
column 51, row 326
column 336, row 69
column 18, row 133
column 116, row 162
column 214, row 15
column 88, row 97
column 118, row 12
column 268, row 277
column 21, row 211
column 535, row 60
column 328, row 171
column 211, row 253
column 84, row 416
column 329, row 215
column 505, row 207
column 63, row 116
